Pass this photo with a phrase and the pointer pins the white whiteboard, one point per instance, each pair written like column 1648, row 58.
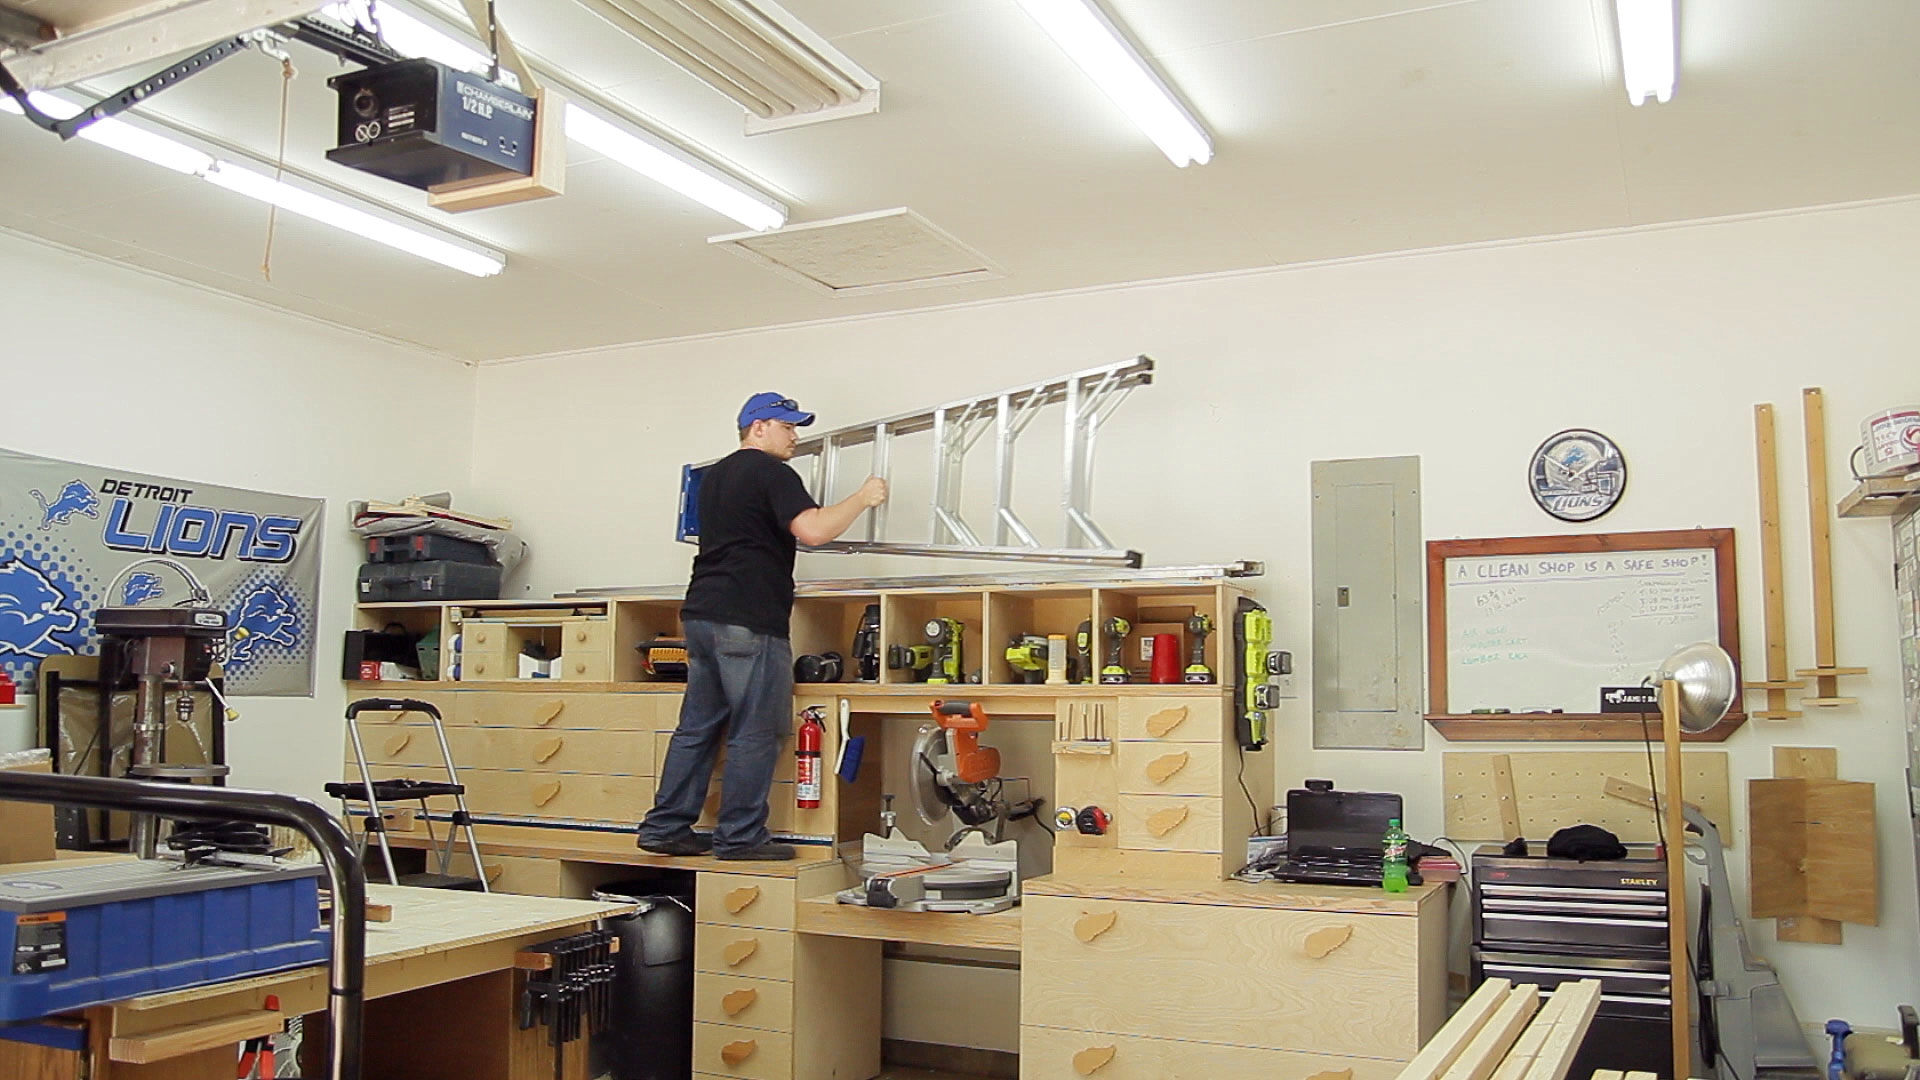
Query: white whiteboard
column 1538, row 632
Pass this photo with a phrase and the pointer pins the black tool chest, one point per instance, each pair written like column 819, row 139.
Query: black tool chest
column 1547, row 921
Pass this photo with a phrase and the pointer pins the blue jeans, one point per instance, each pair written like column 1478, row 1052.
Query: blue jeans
column 740, row 688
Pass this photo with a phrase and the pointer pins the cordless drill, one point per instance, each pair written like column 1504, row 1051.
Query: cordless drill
column 1080, row 657
column 1027, row 656
column 944, row 635
column 1116, row 629
column 1198, row 627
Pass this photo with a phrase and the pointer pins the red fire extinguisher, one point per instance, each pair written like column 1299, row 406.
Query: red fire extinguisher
column 806, row 750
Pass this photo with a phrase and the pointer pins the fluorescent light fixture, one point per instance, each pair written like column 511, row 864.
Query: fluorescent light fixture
column 754, row 52
column 1649, row 48
column 667, row 164
column 1093, row 41
column 598, row 129
column 289, row 193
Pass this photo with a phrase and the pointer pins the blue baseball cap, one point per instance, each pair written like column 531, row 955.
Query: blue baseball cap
column 772, row 406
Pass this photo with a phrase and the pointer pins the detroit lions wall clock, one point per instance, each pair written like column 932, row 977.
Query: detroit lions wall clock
column 1577, row 475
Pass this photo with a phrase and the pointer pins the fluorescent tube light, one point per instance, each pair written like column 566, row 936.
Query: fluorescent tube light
column 1649, row 48
column 288, row 193
column 1092, row 40
column 667, row 164
column 600, row 130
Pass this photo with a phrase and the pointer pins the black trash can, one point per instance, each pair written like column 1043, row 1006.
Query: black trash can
column 651, row 1037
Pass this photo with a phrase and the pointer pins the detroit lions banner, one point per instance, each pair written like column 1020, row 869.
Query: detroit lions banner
column 75, row 538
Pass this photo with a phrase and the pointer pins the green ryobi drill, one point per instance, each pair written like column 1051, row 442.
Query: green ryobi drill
column 915, row 660
column 1198, row 627
column 944, row 636
column 1116, row 630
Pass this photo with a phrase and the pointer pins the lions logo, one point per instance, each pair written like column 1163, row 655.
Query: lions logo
column 32, row 611
column 265, row 618
column 75, row 498
column 141, row 588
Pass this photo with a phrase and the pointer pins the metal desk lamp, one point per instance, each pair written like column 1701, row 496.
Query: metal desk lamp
column 1697, row 687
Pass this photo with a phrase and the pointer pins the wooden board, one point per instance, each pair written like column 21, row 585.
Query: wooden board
column 1814, row 850
column 1553, row 790
column 1812, row 762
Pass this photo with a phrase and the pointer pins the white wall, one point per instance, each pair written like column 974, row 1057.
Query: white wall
column 1662, row 339
column 123, row 369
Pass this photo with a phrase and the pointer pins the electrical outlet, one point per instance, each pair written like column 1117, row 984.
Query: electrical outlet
column 1285, row 685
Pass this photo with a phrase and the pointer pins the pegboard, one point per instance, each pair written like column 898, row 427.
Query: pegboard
column 1551, row 791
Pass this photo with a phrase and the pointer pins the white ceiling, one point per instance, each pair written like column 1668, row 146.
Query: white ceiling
column 1341, row 128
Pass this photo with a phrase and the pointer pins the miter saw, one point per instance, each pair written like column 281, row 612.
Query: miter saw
column 953, row 777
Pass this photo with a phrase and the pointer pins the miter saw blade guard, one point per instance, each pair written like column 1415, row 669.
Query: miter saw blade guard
column 938, row 791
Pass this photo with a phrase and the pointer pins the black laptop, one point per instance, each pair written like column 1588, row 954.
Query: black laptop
column 1333, row 837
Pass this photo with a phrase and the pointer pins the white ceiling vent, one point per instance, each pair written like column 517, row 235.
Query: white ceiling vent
column 867, row 253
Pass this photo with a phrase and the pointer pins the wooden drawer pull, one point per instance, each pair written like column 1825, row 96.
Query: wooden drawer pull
column 1333, row 1074
column 739, row 1001
column 1092, row 926
column 1160, row 768
column 1164, row 822
column 1164, row 721
column 1322, row 942
column 736, row 953
column 546, row 793
column 398, row 743
column 544, row 752
column 548, row 713
column 580, row 635
column 493, row 872
column 580, row 668
column 1092, row 1059
column 738, row 900
column 736, row 1052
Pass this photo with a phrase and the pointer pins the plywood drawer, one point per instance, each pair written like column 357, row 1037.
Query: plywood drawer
column 612, row 753
column 619, row 712
column 1152, row 768
column 481, row 663
column 744, row 900
column 732, row 950
column 766, row 1004
column 560, row 796
column 586, row 651
column 513, row 874
column 1172, row 719
column 1169, row 823
column 724, row 1050
column 1321, row 982
column 1055, row 1054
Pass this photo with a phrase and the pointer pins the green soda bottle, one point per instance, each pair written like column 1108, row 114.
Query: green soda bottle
column 1393, row 864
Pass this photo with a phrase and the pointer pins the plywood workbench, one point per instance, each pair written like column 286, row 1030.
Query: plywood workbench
column 442, row 951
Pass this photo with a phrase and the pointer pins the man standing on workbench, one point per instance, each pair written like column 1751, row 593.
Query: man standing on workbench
column 753, row 512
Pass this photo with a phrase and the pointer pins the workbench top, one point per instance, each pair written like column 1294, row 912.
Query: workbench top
column 427, row 922
column 1274, row 894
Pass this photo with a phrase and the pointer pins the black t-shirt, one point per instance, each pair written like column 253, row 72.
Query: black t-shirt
column 744, row 572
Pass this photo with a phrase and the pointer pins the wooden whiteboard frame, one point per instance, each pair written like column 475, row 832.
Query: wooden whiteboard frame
column 1606, row 727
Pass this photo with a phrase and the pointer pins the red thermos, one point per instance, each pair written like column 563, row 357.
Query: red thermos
column 806, row 769
column 1167, row 660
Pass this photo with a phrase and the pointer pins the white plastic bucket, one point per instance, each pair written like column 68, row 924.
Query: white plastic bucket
column 1890, row 442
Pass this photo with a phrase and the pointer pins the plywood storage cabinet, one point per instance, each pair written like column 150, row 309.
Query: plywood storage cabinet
column 1130, row 979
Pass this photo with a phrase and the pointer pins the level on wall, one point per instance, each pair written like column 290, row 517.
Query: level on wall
column 1527, row 635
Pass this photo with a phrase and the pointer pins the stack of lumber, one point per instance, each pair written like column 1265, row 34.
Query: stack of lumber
column 1503, row 1032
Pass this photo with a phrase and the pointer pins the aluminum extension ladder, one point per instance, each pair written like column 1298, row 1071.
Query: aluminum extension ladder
column 371, row 793
column 1089, row 398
